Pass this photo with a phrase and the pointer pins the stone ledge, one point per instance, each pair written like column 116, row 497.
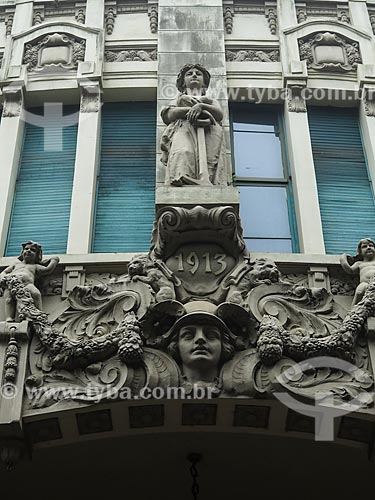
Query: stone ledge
column 197, row 195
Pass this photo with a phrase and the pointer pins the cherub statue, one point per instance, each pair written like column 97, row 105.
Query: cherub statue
column 364, row 262
column 27, row 269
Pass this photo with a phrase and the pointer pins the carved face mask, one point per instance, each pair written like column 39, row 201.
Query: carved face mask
column 200, row 345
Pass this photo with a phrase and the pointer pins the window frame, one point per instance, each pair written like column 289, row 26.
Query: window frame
column 285, row 181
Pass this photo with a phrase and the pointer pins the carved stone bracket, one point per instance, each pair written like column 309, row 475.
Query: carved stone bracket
column 80, row 14
column 175, row 225
column 254, row 55
column 73, row 276
column 13, row 101
column 271, row 15
column 372, row 19
column 153, row 15
column 228, row 13
column 329, row 52
column 295, row 88
column 301, row 12
column 343, row 14
column 110, row 16
column 9, row 17
column 369, row 101
column 57, row 50
column 90, row 97
column 318, row 277
column 38, row 14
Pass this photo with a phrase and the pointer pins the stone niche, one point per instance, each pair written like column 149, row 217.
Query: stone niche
column 329, row 52
column 58, row 50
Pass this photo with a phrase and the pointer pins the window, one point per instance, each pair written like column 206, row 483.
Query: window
column 41, row 206
column 345, row 194
column 266, row 202
column 125, row 202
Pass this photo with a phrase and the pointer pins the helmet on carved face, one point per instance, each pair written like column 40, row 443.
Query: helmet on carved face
column 166, row 319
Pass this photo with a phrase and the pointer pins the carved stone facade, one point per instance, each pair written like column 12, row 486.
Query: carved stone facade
column 196, row 311
column 85, row 338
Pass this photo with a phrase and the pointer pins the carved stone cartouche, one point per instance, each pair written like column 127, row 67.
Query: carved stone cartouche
column 58, row 50
column 329, row 52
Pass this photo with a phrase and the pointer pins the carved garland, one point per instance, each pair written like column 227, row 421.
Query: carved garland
column 274, row 341
column 125, row 339
column 11, row 359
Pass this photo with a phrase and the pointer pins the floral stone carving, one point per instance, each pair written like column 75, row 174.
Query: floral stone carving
column 57, row 50
column 240, row 55
column 130, row 55
column 196, row 312
column 329, row 52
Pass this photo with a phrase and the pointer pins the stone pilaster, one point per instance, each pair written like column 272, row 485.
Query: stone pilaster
column 303, row 175
column 86, row 165
column 23, row 17
column 298, row 138
column 95, row 13
column 11, row 137
column 359, row 15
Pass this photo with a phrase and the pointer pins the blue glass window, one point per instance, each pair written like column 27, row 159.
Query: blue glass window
column 260, row 160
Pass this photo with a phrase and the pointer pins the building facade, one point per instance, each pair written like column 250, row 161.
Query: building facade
column 190, row 168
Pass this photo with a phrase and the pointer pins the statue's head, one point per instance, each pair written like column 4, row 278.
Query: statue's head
column 184, row 75
column 366, row 247
column 31, row 252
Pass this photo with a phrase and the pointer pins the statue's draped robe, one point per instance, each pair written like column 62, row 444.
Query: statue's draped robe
column 180, row 151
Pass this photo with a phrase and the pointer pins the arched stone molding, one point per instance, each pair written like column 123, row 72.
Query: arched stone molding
column 90, row 66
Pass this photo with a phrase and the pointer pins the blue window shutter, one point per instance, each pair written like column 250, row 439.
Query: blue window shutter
column 125, row 203
column 344, row 188
column 42, row 198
